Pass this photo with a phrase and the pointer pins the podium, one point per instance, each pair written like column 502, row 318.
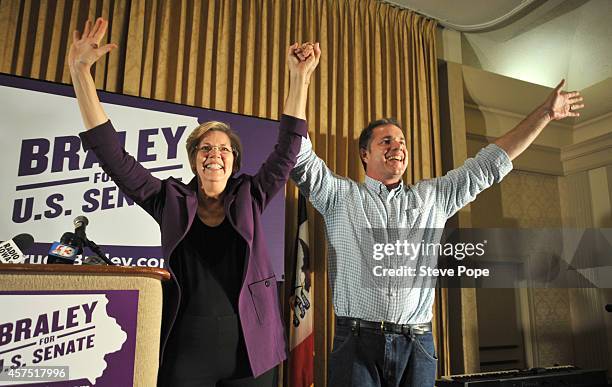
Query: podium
column 101, row 324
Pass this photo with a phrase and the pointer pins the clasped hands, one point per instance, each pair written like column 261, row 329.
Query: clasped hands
column 303, row 59
column 304, row 51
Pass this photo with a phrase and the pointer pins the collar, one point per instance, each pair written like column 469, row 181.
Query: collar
column 379, row 187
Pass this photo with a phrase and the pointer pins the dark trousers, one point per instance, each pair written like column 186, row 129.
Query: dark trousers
column 208, row 352
column 370, row 358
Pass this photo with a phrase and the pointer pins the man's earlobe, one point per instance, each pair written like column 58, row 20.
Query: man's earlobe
column 362, row 157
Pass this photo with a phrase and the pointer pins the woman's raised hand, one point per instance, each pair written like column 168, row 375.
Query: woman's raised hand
column 303, row 59
column 85, row 49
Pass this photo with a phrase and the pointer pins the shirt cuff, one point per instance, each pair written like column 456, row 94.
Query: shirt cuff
column 294, row 125
column 498, row 158
column 98, row 135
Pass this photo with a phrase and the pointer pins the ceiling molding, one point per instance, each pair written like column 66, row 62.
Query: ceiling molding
column 593, row 121
column 483, row 26
column 540, row 159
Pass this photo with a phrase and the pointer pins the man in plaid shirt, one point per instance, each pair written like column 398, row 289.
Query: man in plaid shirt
column 383, row 332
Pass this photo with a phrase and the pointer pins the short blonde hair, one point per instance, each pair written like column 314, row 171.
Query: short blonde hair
column 196, row 136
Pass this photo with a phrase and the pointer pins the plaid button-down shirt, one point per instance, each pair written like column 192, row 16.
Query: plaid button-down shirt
column 350, row 208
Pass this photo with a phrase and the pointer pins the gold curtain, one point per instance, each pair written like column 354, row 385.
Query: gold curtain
column 377, row 61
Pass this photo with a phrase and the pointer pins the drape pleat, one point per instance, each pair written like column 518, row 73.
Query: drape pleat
column 378, row 61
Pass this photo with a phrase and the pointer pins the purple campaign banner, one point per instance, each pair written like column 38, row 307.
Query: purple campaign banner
column 46, row 334
column 49, row 179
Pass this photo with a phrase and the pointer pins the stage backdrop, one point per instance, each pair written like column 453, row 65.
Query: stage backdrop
column 49, row 179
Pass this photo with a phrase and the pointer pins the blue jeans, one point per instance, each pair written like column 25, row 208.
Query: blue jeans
column 369, row 358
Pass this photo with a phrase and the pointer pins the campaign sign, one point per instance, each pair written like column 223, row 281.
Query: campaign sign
column 90, row 336
column 48, row 179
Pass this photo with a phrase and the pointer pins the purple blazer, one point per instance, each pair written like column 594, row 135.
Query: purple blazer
column 173, row 205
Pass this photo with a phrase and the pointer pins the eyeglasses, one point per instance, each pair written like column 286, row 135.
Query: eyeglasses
column 224, row 150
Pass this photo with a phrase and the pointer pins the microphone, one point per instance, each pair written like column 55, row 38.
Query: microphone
column 80, row 222
column 66, row 250
column 11, row 251
column 609, row 308
column 71, row 244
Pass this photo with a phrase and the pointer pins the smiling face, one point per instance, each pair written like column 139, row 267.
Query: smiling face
column 386, row 157
column 216, row 164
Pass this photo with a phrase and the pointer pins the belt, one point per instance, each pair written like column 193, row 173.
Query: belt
column 383, row 326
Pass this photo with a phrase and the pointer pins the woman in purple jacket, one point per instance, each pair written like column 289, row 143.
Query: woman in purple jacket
column 221, row 322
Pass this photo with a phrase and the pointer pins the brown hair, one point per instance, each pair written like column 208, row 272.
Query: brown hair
column 196, row 136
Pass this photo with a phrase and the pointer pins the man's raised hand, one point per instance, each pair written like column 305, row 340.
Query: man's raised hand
column 562, row 104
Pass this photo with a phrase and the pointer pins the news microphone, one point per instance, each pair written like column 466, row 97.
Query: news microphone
column 66, row 250
column 71, row 244
column 609, row 308
column 80, row 222
column 11, row 251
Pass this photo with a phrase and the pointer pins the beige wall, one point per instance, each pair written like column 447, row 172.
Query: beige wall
column 563, row 180
column 557, row 39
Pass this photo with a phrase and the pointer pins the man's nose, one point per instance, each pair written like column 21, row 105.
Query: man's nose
column 397, row 144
